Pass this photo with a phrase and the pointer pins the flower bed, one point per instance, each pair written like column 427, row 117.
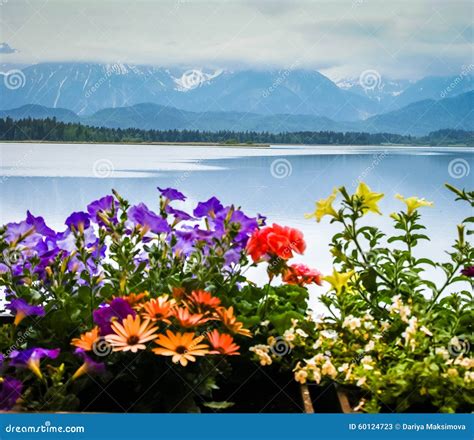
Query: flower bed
column 129, row 309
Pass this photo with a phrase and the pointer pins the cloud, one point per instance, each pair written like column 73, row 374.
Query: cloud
column 5, row 48
column 343, row 37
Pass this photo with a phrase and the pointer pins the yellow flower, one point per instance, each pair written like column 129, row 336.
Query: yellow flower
column 338, row 280
column 324, row 207
column 369, row 198
column 413, row 203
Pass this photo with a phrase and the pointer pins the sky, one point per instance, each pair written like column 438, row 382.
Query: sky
column 340, row 38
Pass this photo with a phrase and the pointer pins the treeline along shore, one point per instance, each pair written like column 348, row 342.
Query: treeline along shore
column 51, row 130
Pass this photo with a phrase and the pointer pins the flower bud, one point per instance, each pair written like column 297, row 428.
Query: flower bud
column 461, row 234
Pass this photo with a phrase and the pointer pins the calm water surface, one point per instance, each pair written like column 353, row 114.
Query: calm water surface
column 281, row 182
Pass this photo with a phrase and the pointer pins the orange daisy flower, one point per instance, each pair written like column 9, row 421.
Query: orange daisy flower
column 131, row 334
column 158, row 309
column 183, row 347
column 87, row 340
column 222, row 343
column 230, row 321
column 134, row 299
column 187, row 319
column 204, row 300
column 178, row 292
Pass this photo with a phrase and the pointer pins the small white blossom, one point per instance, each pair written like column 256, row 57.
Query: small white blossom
column 351, row 322
column 370, row 346
column 301, row 333
column 301, row 376
column 328, row 369
column 425, row 331
column 289, row 335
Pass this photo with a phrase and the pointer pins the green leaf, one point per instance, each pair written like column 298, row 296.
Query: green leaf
column 219, row 405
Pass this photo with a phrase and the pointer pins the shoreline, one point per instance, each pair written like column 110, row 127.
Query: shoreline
column 184, row 144
column 224, row 145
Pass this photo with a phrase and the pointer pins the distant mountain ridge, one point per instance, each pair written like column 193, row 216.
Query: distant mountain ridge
column 86, row 88
column 417, row 119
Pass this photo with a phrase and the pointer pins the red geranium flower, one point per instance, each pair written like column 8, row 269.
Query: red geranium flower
column 275, row 241
column 301, row 274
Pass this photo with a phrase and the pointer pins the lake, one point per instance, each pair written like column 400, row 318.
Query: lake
column 281, row 182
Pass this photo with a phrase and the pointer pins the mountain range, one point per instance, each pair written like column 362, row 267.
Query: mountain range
column 150, row 97
column 86, row 88
column 417, row 119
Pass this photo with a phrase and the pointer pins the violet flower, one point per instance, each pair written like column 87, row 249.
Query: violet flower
column 89, row 365
column 118, row 308
column 10, row 392
column 172, row 194
column 178, row 214
column 40, row 225
column 78, row 220
column 31, row 358
column 24, row 231
column 22, row 309
column 106, row 204
column 243, row 224
column 141, row 215
column 209, row 208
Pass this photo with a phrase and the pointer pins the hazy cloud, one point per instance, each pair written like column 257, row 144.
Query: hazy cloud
column 398, row 38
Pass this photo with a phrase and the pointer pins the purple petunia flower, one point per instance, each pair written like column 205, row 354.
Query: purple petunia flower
column 211, row 207
column 141, row 215
column 468, row 271
column 22, row 309
column 172, row 194
column 78, row 220
column 39, row 224
column 89, row 366
column 178, row 214
column 25, row 231
column 232, row 256
column 105, row 204
column 230, row 216
column 10, row 392
column 189, row 237
column 31, row 357
column 117, row 308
